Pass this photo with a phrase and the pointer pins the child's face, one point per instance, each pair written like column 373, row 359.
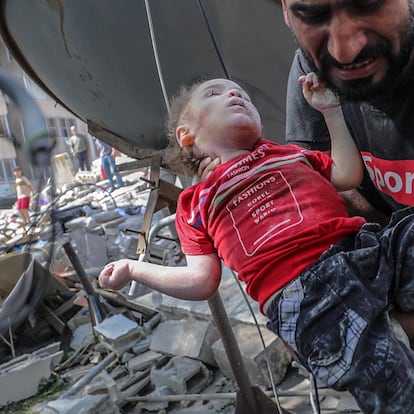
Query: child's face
column 17, row 173
column 221, row 115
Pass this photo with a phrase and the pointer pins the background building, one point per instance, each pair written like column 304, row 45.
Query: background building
column 58, row 121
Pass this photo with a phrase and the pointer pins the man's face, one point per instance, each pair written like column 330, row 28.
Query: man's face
column 359, row 48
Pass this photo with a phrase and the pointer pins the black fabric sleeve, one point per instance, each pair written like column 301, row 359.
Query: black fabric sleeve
column 305, row 126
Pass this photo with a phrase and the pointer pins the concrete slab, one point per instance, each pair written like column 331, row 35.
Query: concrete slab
column 88, row 404
column 143, row 361
column 185, row 337
column 119, row 333
column 20, row 377
column 182, row 375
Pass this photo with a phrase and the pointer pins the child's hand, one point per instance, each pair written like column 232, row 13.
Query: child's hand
column 115, row 275
column 317, row 95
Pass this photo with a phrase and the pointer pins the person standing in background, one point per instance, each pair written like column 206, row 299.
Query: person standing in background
column 24, row 193
column 79, row 149
column 108, row 164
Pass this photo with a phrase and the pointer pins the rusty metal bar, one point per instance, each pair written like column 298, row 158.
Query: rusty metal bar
column 233, row 352
column 95, row 308
column 250, row 400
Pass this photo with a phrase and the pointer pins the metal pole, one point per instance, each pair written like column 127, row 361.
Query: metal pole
column 86, row 379
column 95, row 307
column 233, row 352
column 250, row 400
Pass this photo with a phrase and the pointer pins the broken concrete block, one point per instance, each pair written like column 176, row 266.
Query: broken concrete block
column 119, row 333
column 20, row 377
column 81, row 224
column 118, row 372
column 88, row 404
column 135, row 388
column 127, row 244
column 104, row 216
column 126, row 356
column 112, row 249
column 112, row 225
column 143, row 361
column 156, row 406
column 182, row 375
column 90, row 249
column 103, row 383
column 185, row 337
column 82, row 336
column 254, row 355
column 49, row 350
column 80, row 318
column 142, row 346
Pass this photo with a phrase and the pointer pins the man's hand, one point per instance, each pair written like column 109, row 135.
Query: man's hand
column 207, row 166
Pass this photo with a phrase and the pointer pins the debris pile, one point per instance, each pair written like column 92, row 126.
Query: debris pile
column 109, row 351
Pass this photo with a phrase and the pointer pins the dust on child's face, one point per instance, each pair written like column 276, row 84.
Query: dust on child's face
column 222, row 112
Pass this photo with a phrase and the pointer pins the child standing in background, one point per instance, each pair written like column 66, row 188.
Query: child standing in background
column 24, row 193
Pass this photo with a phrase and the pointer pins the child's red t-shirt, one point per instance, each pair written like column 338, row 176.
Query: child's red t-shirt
column 269, row 215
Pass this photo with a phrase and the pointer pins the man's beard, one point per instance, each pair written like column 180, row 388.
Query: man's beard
column 399, row 72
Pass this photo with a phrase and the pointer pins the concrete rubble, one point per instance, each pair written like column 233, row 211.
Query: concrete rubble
column 150, row 353
column 20, row 377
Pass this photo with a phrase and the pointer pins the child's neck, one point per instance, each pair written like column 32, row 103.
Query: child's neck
column 229, row 152
column 229, row 155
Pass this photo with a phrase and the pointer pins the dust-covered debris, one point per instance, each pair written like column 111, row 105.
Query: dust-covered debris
column 146, row 354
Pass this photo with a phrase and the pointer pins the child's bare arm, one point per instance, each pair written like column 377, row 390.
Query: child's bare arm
column 347, row 167
column 196, row 281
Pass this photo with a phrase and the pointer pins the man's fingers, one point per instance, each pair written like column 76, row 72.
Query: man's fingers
column 207, row 166
column 203, row 164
